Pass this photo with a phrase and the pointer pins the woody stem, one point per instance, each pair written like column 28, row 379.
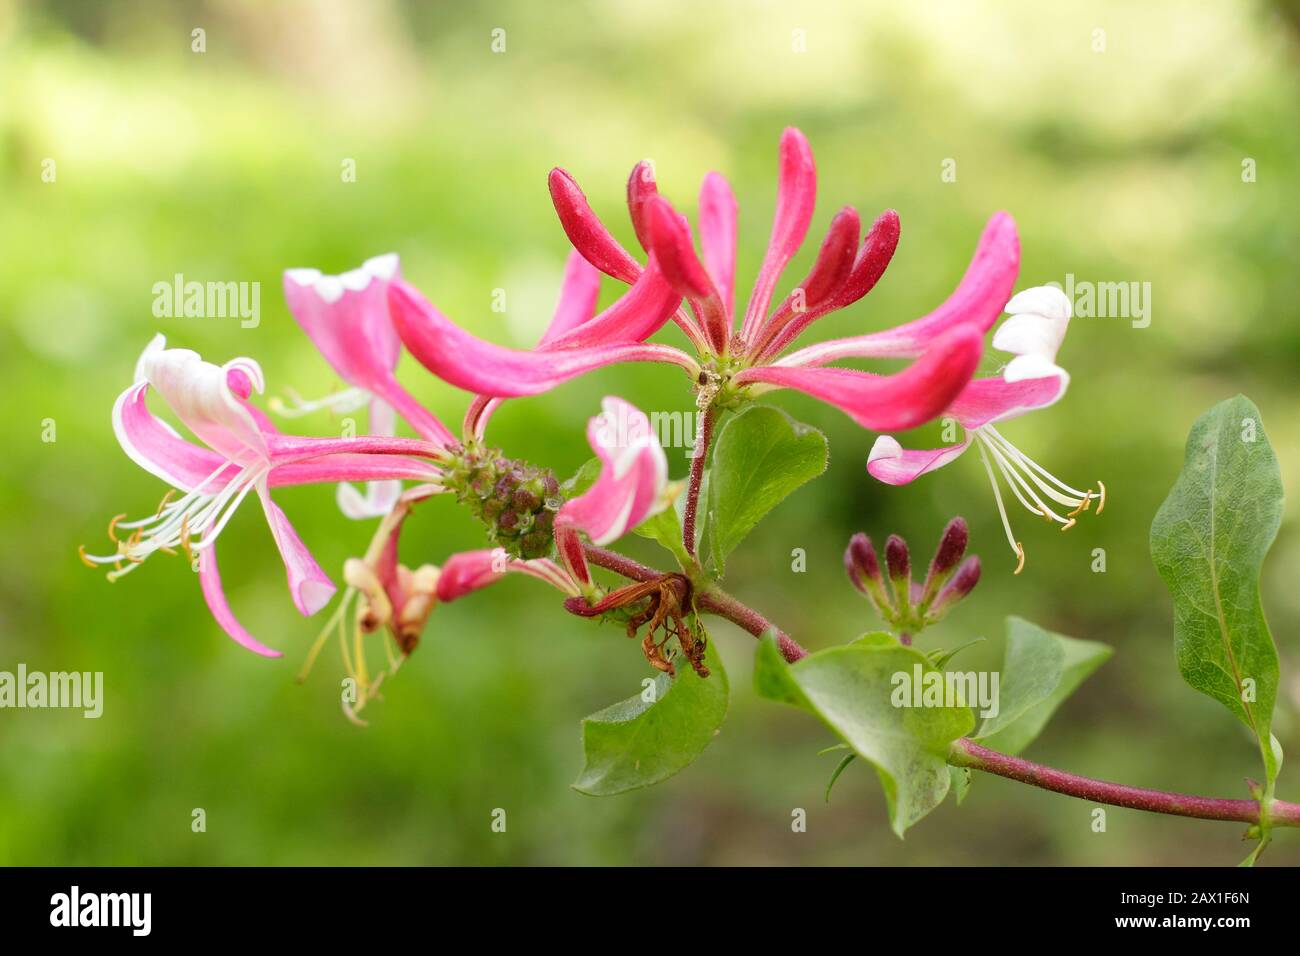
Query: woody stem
column 965, row 752
column 702, row 439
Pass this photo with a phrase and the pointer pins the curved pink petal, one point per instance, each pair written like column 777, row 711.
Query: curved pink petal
column 641, row 187
column 636, row 315
column 795, row 196
column 208, row 398
column 578, row 293
column 585, row 230
column 469, row 571
column 887, row 402
column 467, row 362
column 992, row 399
column 670, row 237
column 894, row 465
column 633, row 475
column 830, row 270
column 978, row 300
column 868, row 266
column 309, row 586
column 346, row 317
column 215, row 596
column 327, row 469
column 156, row 447
column 285, row 449
column 718, row 236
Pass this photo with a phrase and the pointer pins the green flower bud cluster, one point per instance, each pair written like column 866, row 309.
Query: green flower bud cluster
column 515, row 500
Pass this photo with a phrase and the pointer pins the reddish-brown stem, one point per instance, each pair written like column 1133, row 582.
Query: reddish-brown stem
column 613, row 561
column 719, row 602
column 967, row 753
column 701, row 453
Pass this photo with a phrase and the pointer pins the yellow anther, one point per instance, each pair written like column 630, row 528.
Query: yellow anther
column 1101, row 504
column 1020, row 553
column 1082, row 506
column 165, row 500
column 1043, row 510
column 1068, row 525
column 81, row 552
column 112, row 526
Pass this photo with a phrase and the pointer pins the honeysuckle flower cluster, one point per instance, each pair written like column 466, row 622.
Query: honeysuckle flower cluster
column 361, row 321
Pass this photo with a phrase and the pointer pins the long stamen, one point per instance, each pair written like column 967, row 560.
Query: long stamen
column 1016, row 546
column 1014, row 478
column 1031, row 470
column 1034, row 466
column 348, row 400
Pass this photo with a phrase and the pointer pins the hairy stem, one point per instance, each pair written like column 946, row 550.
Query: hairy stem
column 967, row 753
column 701, row 453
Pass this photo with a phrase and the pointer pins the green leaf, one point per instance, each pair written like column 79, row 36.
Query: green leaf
column 1039, row 671
column 851, row 689
column 1208, row 541
column 582, row 479
column 639, row 742
column 666, row 528
column 759, row 458
column 847, row 759
column 961, row 778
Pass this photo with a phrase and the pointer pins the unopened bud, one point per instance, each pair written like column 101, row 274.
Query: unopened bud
column 863, row 567
column 962, row 583
column 952, row 545
column 899, row 563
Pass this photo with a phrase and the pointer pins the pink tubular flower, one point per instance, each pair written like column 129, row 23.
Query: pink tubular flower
column 346, row 317
column 1031, row 380
column 729, row 361
column 632, row 486
column 241, row 452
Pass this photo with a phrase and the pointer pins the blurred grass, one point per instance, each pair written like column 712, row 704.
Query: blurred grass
column 1123, row 165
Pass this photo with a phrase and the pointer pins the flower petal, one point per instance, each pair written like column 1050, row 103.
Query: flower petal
column 309, row 586
column 670, row 237
column 641, row 187
column 887, row 402
column 977, row 300
column 633, row 475
column 718, row 236
column 894, row 465
column 868, row 266
column 636, row 315
column 201, row 395
column 156, row 447
column 578, row 294
column 995, row 399
column 346, row 316
column 587, row 233
column 215, row 596
column 831, row 269
column 470, row 363
column 469, row 571
column 795, row 196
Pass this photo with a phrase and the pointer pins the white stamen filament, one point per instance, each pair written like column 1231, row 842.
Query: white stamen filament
column 1034, row 466
column 1015, row 479
column 997, row 496
column 192, row 521
column 348, row 400
column 1020, row 471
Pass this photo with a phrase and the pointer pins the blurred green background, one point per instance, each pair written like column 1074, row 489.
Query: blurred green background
column 1121, row 164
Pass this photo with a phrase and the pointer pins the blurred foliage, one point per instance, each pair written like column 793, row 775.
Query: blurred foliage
column 1121, row 165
